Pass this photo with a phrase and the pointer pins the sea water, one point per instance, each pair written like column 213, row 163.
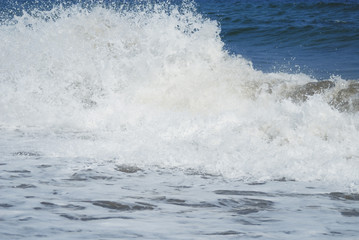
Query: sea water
column 179, row 120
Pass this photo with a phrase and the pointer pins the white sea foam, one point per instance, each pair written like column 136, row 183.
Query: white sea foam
column 155, row 87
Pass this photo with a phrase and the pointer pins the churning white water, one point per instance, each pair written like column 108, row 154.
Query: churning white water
column 158, row 83
column 153, row 87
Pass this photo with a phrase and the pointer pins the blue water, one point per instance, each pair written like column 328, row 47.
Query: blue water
column 318, row 38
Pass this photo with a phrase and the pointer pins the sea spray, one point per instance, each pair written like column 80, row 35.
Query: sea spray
column 153, row 85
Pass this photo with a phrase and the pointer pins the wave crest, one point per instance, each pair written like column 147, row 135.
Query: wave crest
column 157, row 87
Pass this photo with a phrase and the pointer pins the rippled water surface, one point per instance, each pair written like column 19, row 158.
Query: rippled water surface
column 319, row 38
column 46, row 197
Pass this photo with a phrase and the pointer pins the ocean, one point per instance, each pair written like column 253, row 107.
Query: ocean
column 179, row 119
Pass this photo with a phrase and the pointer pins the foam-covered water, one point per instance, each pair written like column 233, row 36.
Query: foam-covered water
column 153, row 87
column 161, row 81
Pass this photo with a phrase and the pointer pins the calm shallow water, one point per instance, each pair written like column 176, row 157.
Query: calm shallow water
column 140, row 121
column 46, row 197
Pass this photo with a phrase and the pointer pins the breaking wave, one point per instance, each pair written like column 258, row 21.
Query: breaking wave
column 154, row 85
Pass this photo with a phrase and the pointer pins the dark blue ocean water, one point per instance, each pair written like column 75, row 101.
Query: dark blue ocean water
column 319, row 38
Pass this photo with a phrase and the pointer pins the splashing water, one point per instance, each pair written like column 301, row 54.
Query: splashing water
column 153, row 85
